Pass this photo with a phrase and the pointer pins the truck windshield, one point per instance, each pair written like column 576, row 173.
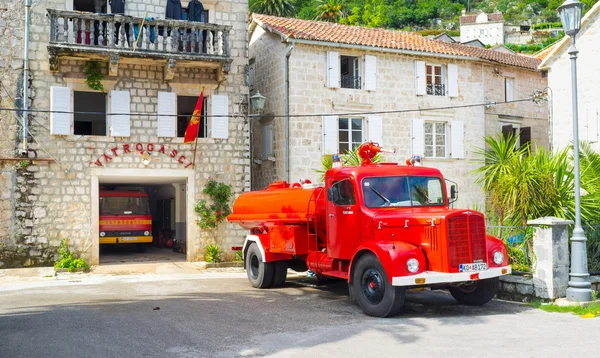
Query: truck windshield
column 124, row 205
column 402, row 191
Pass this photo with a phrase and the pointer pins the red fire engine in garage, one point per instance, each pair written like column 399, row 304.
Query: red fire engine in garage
column 382, row 227
column 125, row 218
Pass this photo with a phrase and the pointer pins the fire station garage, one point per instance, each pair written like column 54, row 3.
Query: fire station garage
column 141, row 218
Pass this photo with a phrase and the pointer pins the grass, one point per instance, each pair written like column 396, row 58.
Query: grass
column 590, row 311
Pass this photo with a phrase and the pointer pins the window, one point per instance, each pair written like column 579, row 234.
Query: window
column 522, row 134
column 435, row 80
column 251, row 74
column 342, row 193
column 185, row 108
column 350, row 133
column 88, row 123
column 350, row 72
column 402, row 191
column 509, row 85
column 435, row 139
column 90, row 6
column 267, row 141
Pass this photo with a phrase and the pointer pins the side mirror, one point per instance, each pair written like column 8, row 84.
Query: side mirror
column 453, row 192
column 332, row 194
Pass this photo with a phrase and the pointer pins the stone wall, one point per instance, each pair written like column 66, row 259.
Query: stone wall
column 53, row 200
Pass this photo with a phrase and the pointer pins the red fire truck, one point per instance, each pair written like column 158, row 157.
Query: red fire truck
column 125, row 218
column 382, row 227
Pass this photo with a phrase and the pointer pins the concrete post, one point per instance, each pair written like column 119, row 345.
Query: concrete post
column 180, row 211
column 551, row 250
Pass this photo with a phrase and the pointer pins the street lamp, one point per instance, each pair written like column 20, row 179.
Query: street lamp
column 579, row 289
column 257, row 101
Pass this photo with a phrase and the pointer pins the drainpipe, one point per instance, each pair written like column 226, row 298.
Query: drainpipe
column 287, row 111
column 26, row 78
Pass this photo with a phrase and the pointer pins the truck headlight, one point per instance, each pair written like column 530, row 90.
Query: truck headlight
column 498, row 257
column 412, row 265
column 146, row 233
column 102, row 233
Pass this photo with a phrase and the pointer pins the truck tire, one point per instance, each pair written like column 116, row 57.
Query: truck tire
column 260, row 274
column 280, row 273
column 371, row 288
column 476, row 294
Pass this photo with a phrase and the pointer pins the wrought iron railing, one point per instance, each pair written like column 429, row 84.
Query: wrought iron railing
column 128, row 34
column 350, row 81
column 435, row 89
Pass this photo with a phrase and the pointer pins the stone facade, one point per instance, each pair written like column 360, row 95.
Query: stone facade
column 48, row 201
column 478, row 82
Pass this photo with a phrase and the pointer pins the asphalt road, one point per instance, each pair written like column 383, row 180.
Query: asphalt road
column 220, row 315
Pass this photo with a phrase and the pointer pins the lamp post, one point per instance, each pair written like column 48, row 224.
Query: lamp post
column 579, row 289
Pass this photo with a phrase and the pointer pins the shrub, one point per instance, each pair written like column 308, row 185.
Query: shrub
column 212, row 214
column 212, row 253
column 66, row 258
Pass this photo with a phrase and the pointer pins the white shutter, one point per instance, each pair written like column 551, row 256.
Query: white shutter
column 452, row 80
column 370, row 72
column 267, row 141
column 219, row 116
column 593, row 125
column 167, row 111
column 420, row 78
column 60, row 100
column 376, row 129
column 418, row 137
column 509, row 84
column 120, row 103
column 330, row 134
column 457, row 136
column 333, row 69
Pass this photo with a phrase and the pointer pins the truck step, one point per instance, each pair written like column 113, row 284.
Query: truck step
column 339, row 274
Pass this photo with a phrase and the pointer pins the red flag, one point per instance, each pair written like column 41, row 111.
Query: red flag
column 191, row 133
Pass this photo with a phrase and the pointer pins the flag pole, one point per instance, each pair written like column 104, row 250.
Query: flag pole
column 198, row 131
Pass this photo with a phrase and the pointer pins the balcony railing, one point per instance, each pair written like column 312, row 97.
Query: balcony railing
column 436, row 90
column 350, row 81
column 130, row 36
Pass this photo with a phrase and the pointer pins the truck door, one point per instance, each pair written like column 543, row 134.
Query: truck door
column 343, row 216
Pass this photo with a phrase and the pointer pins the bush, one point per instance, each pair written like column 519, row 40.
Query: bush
column 212, row 214
column 547, row 25
column 66, row 258
column 239, row 256
column 432, row 32
column 212, row 253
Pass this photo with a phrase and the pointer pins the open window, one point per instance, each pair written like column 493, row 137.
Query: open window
column 90, row 113
column 350, row 72
column 522, row 134
column 185, row 109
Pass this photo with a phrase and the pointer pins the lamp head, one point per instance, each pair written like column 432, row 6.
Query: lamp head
column 570, row 16
column 257, row 101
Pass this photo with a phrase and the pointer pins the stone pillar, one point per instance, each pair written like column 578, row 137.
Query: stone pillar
column 551, row 250
column 180, row 212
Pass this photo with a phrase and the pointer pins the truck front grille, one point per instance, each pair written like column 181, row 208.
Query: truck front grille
column 466, row 240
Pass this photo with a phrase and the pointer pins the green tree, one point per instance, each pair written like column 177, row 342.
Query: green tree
column 283, row 8
column 330, row 10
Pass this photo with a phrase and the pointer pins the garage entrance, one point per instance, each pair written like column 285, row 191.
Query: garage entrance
column 141, row 218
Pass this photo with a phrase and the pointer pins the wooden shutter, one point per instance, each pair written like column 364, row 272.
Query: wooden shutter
column 457, row 135
column 167, row 111
column 420, row 78
column 267, row 141
column 330, row 134
column 333, row 69
column 370, row 72
column 452, row 80
column 507, row 131
column 120, row 103
column 60, row 100
column 219, row 116
column 418, row 137
column 525, row 136
column 376, row 129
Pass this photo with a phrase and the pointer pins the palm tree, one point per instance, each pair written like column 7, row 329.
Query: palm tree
column 350, row 158
column 330, row 10
column 283, row 8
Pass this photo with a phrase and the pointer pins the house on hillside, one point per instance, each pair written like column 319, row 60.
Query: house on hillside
column 348, row 85
column 557, row 63
column 491, row 29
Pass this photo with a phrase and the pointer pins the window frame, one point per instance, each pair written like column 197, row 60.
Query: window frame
column 430, row 91
column 251, row 71
column 350, row 130
column 76, row 114
column 354, row 69
column 203, row 115
column 433, row 134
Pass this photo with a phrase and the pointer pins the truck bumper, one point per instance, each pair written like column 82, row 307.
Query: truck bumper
column 431, row 277
column 126, row 240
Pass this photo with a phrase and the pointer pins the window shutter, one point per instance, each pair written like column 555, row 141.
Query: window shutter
column 507, row 130
column 593, row 125
column 220, row 116
column 452, row 80
column 418, row 137
column 167, row 109
column 525, row 136
column 376, row 129
column 330, row 134
column 457, row 133
column 333, row 69
column 370, row 72
column 267, row 141
column 509, row 84
column 420, row 78
column 120, row 103
column 60, row 100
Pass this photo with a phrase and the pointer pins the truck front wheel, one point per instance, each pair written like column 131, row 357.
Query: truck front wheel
column 476, row 293
column 260, row 274
column 371, row 287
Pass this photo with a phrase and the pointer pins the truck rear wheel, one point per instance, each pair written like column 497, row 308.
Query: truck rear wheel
column 280, row 273
column 375, row 294
column 476, row 293
column 260, row 274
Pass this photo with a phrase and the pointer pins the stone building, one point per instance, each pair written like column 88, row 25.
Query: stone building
column 491, row 29
column 418, row 96
column 125, row 134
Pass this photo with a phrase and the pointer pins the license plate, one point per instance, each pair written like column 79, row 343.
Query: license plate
column 480, row 266
column 129, row 239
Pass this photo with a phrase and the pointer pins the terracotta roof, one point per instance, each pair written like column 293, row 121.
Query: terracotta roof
column 541, row 55
column 382, row 38
column 471, row 19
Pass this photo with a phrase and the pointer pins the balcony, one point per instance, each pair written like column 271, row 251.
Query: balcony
column 125, row 39
column 350, row 81
column 436, row 89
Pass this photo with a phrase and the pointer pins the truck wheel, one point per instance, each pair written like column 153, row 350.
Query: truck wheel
column 260, row 274
column 280, row 273
column 477, row 293
column 375, row 294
